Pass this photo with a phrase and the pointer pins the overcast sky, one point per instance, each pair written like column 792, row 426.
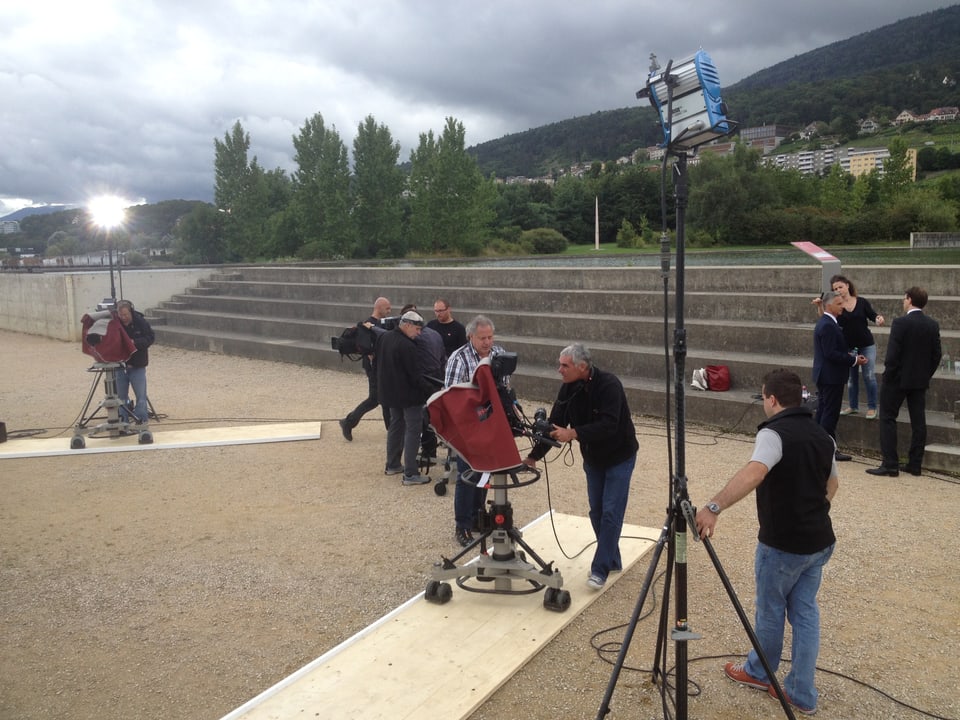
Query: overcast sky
column 121, row 97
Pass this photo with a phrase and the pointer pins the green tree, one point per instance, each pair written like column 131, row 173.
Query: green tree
column 247, row 194
column 627, row 236
column 451, row 203
column 231, row 168
column 321, row 190
column 378, row 185
column 835, row 190
column 897, row 171
column 201, row 236
column 574, row 208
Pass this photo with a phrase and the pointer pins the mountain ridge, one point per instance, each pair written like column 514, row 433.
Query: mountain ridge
column 883, row 71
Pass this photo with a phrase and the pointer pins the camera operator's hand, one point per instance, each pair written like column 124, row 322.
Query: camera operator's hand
column 563, row 434
column 530, row 462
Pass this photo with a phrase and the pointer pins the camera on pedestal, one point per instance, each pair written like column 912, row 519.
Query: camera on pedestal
column 480, row 421
column 105, row 340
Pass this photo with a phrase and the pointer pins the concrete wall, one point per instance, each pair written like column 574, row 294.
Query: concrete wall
column 52, row 303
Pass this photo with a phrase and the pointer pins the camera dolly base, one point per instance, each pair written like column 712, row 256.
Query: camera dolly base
column 114, row 426
column 503, row 557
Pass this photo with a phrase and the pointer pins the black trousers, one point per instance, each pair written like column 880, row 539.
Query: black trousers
column 353, row 418
column 891, row 400
column 829, row 400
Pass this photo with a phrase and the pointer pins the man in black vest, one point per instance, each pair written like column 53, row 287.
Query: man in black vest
column 913, row 354
column 794, row 471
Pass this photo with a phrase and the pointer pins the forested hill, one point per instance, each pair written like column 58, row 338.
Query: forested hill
column 876, row 74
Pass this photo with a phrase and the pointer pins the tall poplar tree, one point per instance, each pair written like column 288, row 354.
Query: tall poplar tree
column 377, row 189
column 452, row 204
column 247, row 195
column 321, row 191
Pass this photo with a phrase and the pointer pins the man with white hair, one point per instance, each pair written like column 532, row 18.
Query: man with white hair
column 468, row 499
column 592, row 409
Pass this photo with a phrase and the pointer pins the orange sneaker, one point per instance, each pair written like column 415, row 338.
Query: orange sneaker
column 736, row 672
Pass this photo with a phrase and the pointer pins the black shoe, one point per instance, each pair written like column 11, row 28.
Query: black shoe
column 346, row 430
column 464, row 537
column 910, row 470
column 883, row 470
column 842, row 457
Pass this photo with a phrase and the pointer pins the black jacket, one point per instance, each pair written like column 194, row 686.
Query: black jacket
column 597, row 409
column 400, row 382
column 913, row 352
column 141, row 333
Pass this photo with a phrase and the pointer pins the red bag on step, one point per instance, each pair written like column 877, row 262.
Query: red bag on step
column 718, row 378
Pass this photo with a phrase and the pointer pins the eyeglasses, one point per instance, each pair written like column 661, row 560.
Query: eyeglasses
column 440, row 310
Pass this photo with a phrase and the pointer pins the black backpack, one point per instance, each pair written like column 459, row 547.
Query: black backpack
column 354, row 342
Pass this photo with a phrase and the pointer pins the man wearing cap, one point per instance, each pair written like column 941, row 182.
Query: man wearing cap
column 402, row 390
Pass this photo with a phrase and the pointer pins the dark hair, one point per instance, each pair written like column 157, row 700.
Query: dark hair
column 785, row 386
column 918, row 296
column 844, row 279
column 408, row 307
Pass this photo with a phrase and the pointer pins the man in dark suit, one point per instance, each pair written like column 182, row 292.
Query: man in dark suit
column 913, row 354
column 831, row 365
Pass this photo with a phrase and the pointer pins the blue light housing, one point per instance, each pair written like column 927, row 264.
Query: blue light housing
column 687, row 97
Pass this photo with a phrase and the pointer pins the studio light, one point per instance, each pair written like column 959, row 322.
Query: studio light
column 686, row 95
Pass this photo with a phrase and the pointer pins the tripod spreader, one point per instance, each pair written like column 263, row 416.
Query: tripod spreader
column 503, row 555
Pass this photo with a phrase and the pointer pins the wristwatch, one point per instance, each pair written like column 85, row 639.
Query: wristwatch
column 713, row 507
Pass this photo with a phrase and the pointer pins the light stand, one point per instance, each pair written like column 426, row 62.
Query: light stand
column 107, row 212
column 692, row 113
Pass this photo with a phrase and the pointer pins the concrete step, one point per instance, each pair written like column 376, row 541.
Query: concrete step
column 749, row 281
column 942, row 457
column 737, row 410
column 776, row 307
column 751, row 319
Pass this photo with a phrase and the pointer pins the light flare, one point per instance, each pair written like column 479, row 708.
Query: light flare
column 107, row 211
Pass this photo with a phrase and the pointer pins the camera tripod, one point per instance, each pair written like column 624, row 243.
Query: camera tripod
column 680, row 514
column 115, row 425
column 502, row 562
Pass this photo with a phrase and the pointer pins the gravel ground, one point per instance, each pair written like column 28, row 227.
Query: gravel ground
column 179, row 584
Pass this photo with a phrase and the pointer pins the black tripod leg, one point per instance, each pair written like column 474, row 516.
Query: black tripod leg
column 84, row 418
column 745, row 621
column 660, row 652
column 634, row 619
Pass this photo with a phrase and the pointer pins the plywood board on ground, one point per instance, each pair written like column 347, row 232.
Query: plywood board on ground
column 163, row 440
column 442, row 661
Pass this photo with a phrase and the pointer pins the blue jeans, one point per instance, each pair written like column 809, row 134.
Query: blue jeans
column 127, row 377
column 607, row 493
column 787, row 586
column 869, row 379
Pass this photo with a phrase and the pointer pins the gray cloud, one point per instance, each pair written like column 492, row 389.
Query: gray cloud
column 128, row 97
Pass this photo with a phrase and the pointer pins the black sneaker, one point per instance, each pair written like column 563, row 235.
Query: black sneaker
column 346, row 430
column 464, row 537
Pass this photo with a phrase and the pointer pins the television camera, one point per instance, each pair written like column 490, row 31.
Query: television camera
column 466, row 418
column 503, row 365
